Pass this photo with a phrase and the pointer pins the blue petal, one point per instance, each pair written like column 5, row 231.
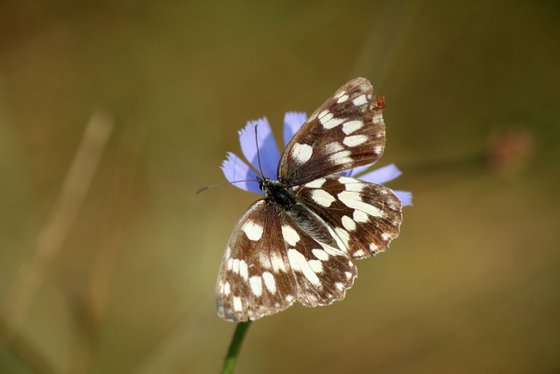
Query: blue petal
column 292, row 122
column 355, row 171
column 270, row 156
column 360, row 169
column 382, row 175
column 405, row 197
column 236, row 169
column 346, row 173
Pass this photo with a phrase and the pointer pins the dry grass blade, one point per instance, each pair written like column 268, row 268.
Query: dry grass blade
column 52, row 235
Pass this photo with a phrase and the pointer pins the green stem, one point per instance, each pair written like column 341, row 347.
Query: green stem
column 235, row 347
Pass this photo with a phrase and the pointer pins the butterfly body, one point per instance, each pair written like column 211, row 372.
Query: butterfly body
column 299, row 242
column 277, row 192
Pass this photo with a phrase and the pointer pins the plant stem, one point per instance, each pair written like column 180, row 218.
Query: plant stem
column 235, row 347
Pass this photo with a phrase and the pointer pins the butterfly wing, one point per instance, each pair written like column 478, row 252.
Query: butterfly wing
column 274, row 258
column 363, row 217
column 345, row 132
column 255, row 277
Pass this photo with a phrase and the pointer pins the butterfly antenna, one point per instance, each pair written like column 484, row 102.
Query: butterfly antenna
column 222, row 184
column 258, row 152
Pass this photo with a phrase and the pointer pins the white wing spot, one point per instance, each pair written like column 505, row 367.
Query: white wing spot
column 355, row 140
column 339, row 242
column 356, row 186
column 385, row 236
column 302, row 152
column 351, row 126
column 243, row 270
column 353, row 200
column 359, row 253
column 299, row 263
column 317, row 183
column 253, row 230
column 343, row 234
column 227, row 289
column 360, row 216
column 377, row 118
column 230, row 264
column 331, row 122
column 320, row 254
column 339, row 286
column 360, row 100
column 348, row 274
column 277, row 262
column 322, row 198
column 237, row 304
column 264, row 260
column 342, row 157
column 378, row 149
column 348, row 223
column 256, row 285
column 325, row 116
column 235, row 267
column 316, row 266
column 290, row 235
column 331, row 250
column 373, row 247
column 269, row 282
column 342, row 98
column 334, row 147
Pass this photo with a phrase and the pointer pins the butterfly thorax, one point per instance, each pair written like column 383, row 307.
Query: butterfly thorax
column 277, row 192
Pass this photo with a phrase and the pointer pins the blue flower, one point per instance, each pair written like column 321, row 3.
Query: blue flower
column 236, row 169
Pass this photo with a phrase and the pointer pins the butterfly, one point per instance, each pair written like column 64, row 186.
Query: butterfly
column 298, row 243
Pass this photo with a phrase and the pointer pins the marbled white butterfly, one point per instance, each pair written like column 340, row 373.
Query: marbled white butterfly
column 298, row 242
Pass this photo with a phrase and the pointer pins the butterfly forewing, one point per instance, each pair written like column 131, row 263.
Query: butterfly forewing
column 345, row 132
column 271, row 261
column 363, row 217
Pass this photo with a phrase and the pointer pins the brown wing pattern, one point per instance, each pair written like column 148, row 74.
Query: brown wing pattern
column 272, row 261
column 364, row 217
column 345, row 132
column 255, row 277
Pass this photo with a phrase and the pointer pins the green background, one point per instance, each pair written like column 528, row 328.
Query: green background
column 471, row 285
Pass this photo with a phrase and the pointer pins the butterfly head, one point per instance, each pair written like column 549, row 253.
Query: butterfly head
column 277, row 192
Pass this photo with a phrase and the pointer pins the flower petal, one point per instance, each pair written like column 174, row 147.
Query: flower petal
column 405, row 197
column 355, row 171
column 235, row 169
column 292, row 122
column 346, row 173
column 382, row 175
column 269, row 154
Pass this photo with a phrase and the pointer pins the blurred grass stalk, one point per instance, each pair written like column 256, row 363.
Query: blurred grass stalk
column 52, row 235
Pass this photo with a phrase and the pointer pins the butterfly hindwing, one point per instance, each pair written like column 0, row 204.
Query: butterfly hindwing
column 345, row 132
column 323, row 272
column 364, row 217
column 271, row 261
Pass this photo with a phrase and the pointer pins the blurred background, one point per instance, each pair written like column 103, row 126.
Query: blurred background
column 112, row 115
